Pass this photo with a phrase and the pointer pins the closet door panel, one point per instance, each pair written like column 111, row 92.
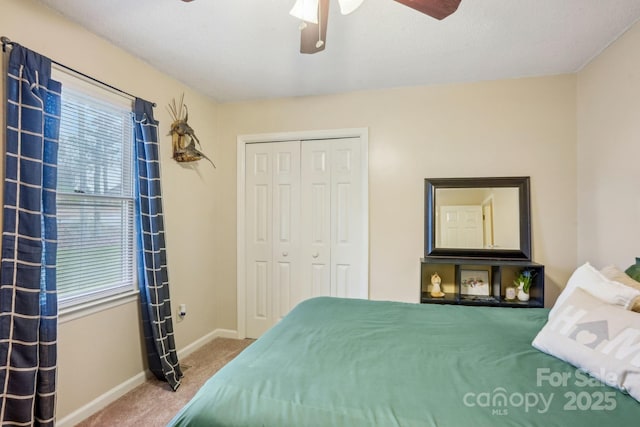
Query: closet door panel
column 286, row 226
column 315, row 232
column 258, row 237
column 282, row 289
column 260, row 311
column 320, row 280
column 346, row 233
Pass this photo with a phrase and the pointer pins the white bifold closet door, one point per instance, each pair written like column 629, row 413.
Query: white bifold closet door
column 303, row 207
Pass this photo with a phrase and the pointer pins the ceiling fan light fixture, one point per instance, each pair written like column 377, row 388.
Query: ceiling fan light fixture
column 348, row 6
column 306, row 10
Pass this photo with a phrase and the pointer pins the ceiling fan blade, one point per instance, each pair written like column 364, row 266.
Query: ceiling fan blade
column 438, row 9
column 348, row 6
column 305, row 10
column 313, row 37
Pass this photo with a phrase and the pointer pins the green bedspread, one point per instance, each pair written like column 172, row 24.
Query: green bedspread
column 345, row 362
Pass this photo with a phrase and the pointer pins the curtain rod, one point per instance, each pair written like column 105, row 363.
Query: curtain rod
column 7, row 42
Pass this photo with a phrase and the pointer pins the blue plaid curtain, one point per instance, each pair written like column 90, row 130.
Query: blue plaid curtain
column 152, row 258
column 28, row 301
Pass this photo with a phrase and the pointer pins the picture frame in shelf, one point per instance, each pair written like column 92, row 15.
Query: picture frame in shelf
column 475, row 283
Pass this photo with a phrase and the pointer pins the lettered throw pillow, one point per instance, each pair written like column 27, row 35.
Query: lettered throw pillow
column 591, row 280
column 601, row 339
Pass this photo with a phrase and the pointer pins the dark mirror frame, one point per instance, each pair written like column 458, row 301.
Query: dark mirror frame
column 432, row 184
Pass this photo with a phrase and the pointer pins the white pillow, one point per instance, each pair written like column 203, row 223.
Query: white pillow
column 597, row 337
column 591, row 280
column 612, row 272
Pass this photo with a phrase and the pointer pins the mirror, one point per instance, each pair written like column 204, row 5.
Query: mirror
column 478, row 218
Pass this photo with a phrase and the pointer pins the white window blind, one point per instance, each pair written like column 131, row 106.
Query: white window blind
column 95, row 201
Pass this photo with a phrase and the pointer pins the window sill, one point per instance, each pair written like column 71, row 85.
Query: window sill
column 78, row 311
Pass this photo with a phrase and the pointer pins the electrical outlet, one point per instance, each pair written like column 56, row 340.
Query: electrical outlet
column 182, row 310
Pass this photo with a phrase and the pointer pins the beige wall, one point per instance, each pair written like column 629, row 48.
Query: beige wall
column 514, row 127
column 101, row 351
column 609, row 155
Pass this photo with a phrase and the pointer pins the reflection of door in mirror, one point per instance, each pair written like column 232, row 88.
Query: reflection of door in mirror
column 487, row 221
column 477, row 218
column 506, row 217
column 461, row 227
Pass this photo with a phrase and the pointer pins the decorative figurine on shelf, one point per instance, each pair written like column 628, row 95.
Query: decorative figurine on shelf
column 436, row 292
column 183, row 138
column 524, row 282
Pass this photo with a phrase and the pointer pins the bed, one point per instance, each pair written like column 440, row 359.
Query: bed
column 347, row 362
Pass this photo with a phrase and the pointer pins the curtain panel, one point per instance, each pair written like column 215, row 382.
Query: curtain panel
column 28, row 301
column 152, row 257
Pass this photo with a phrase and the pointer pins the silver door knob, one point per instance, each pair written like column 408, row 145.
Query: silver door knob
column 285, row 253
column 315, row 255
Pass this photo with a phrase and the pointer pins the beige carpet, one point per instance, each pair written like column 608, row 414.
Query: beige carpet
column 153, row 403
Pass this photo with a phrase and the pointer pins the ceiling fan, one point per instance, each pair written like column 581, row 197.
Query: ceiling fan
column 315, row 13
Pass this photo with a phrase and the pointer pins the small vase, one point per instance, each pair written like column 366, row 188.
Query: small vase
column 522, row 295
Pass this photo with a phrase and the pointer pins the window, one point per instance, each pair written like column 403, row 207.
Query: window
column 95, row 201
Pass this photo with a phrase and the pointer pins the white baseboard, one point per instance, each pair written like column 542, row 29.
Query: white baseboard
column 226, row 333
column 218, row 333
column 120, row 390
column 97, row 404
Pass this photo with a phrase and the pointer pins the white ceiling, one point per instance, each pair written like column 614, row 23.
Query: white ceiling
column 235, row 50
